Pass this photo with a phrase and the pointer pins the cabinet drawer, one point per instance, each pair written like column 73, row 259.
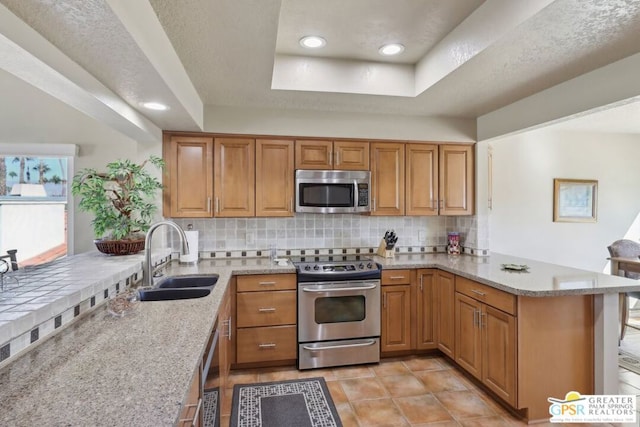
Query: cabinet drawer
column 266, row 308
column 266, row 344
column 494, row 297
column 266, row 282
column 396, row 277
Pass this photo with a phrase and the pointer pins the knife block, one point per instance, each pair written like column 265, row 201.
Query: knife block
column 383, row 252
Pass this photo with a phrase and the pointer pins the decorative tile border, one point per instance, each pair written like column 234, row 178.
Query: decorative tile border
column 336, row 251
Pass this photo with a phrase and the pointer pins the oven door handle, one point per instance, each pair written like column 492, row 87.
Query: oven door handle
column 351, row 288
column 334, row 347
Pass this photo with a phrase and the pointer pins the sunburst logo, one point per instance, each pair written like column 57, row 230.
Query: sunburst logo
column 577, row 408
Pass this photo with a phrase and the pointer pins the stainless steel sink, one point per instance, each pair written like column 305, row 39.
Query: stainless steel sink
column 179, row 287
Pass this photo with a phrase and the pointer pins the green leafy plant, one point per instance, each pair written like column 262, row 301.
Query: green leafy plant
column 121, row 199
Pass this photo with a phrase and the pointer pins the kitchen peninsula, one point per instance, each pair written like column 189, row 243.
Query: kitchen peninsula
column 136, row 370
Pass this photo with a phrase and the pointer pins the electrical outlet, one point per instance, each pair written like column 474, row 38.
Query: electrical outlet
column 250, row 238
column 422, row 236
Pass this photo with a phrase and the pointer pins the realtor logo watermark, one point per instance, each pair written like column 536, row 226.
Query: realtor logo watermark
column 606, row 408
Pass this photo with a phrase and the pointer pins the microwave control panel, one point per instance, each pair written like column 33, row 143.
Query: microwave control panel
column 363, row 195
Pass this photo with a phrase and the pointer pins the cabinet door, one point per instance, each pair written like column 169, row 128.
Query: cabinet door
column 396, row 318
column 468, row 350
column 387, row 178
column 422, row 179
column 499, row 353
column 444, row 314
column 191, row 412
column 351, row 155
column 234, row 185
column 425, row 310
column 274, row 178
column 456, row 180
column 188, row 176
column 314, row 154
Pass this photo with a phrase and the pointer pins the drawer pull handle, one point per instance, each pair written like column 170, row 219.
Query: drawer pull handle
column 478, row 292
column 396, row 277
column 270, row 345
column 266, row 283
column 267, row 310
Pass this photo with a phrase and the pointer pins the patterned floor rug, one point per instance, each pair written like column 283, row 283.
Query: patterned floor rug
column 211, row 414
column 297, row 403
column 629, row 361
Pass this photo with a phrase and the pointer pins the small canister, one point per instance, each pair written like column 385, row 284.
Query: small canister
column 453, row 243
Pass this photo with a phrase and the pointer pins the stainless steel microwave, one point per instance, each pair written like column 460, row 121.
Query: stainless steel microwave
column 333, row 191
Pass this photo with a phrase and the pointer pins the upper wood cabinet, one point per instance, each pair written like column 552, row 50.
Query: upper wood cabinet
column 439, row 179
column 188, row 176
column 234, row 183
column 422, row 179
column 274, row 178
column 387, row 178
column 456, row 185
column 341, row 155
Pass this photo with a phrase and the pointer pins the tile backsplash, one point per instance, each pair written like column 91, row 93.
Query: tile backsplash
column 307, row 231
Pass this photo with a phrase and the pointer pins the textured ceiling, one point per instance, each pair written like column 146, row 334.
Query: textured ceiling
column 227, row 49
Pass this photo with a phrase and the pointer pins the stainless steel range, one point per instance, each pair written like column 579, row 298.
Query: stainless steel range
column 338, row 311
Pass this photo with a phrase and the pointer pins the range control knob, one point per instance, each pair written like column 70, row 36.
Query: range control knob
column 361, row 266
column 369, row 265
column 307, row 268
column 315, row 267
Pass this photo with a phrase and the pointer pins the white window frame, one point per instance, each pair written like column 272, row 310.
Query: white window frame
column 70, row 151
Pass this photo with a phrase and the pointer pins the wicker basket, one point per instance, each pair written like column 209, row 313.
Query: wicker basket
column 119, row 247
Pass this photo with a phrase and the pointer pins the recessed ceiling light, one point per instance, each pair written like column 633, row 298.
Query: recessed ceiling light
column 391, row 49
column 155, row 106
column 312, row 42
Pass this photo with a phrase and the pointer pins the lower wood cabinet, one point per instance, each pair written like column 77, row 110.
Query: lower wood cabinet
column 395, row 333
column 444, row 312
column 191, row 412
column 485, row 337
column 425, row 309
column 266, row 311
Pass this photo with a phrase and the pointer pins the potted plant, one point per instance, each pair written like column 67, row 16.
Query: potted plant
column 122, row 202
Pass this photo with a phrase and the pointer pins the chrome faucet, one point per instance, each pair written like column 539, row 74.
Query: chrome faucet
column 147, row 273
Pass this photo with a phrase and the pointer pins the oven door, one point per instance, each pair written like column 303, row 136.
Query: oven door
column 338, row 310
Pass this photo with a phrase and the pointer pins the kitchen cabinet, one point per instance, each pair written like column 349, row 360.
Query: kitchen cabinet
column 234, row 177
column 340, row 155
column 456, row 181
column 387, row 178
column 188, row 176
column 444, row 312
column 274, row 178
column 485, row 344
column 266, row 319
column 425, row 309
column 439, row 179
column 192, row 409
column 421, row 179
column 395, row 333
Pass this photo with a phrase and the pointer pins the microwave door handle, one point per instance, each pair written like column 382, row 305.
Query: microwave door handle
column 357, row 196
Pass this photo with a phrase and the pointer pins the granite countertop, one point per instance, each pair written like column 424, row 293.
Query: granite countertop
column 541, row 279
column 136, row 370
column 133, row 370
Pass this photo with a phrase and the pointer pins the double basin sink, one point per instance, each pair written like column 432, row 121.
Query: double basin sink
column 179, row 287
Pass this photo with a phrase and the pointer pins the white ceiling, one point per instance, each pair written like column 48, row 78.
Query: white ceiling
column 463, row 58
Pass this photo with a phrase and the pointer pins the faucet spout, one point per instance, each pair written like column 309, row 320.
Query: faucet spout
column 147, row 274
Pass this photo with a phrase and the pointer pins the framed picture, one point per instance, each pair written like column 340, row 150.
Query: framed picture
column 574, row 200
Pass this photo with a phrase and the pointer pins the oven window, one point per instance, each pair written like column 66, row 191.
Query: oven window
column 326, row 195
column 340, row 309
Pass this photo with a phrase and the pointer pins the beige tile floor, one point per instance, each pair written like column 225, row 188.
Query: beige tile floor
column 413, row 391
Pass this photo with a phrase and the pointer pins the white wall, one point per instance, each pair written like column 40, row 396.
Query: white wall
column 337, row 124
column 524, row 166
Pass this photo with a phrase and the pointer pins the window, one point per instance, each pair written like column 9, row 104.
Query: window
column 34, row 195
